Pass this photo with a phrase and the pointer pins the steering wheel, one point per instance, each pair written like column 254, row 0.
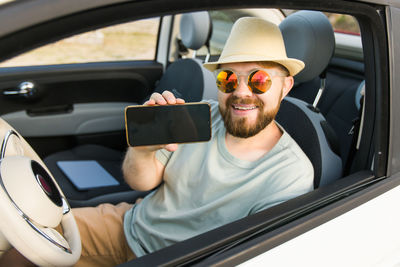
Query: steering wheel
column 32, row 204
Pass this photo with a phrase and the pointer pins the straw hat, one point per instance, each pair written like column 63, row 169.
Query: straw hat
column 255, row 39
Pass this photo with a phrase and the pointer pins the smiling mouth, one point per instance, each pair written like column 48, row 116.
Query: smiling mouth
column 244, row 107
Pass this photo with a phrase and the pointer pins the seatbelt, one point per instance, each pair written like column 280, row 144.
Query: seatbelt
column 321, row 89
column 356, row 131
column 207, row 58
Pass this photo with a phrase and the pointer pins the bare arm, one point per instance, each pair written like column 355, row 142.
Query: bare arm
column 142, row 171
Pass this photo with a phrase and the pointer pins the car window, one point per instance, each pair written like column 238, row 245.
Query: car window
column 344, row 23
column 223, row 20
column 128, row 41
column 341, row 23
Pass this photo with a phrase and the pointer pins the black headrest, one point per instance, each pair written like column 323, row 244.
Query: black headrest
column 308, row 36
column 195, row 29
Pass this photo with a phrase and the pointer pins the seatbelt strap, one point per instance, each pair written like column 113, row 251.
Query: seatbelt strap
column 356, row 132
column 321, row 89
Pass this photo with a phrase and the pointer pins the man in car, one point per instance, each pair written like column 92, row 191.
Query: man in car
column 250, row 163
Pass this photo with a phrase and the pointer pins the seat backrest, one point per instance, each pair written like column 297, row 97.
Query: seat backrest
column 315, row 137
column 187, row 78
column 309, row 36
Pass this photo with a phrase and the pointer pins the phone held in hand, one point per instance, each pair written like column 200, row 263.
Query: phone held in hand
column 167, row 124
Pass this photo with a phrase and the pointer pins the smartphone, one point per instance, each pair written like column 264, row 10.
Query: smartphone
column 155, row 125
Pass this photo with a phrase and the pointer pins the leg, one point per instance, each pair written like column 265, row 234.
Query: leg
column 102, row 235
column 13, row 258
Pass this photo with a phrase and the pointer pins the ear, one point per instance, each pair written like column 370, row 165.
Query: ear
column 287, row 85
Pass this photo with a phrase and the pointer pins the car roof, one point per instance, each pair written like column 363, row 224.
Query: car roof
column 22, row 14
column 394, row 3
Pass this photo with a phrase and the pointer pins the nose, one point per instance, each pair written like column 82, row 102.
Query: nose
column 243, row 90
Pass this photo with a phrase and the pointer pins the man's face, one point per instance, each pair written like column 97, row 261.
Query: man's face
column 245, row 113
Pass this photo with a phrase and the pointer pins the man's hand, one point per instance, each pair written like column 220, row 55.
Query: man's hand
column 166, row 98
column 142, row 171
column 163, row 99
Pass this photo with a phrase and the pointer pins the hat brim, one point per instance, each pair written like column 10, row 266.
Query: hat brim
column 293, row 65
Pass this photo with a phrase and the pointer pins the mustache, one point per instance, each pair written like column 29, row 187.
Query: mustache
column 244, row 101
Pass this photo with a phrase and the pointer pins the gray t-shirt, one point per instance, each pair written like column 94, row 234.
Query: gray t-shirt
column 206, row 187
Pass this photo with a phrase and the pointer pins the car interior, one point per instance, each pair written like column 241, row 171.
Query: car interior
column 324, row 112
column 310, row 37
column 186, row 78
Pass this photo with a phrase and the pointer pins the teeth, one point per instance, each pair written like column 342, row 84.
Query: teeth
column 244, row 108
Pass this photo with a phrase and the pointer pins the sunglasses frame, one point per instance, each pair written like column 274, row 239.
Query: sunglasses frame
column 271, row 73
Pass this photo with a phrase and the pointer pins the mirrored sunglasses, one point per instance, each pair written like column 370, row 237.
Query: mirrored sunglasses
column 258, row 80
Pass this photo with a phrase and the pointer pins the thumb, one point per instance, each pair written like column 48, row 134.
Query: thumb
column 171, row 147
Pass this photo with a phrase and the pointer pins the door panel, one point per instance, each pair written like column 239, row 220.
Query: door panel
column 82, row 119
column 57, row 87
column 76, row 103
column 73, row 91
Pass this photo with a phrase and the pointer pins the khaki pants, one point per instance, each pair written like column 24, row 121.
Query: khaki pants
column 102, row 235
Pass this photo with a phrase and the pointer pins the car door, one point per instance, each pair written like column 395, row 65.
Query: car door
column 84, row 81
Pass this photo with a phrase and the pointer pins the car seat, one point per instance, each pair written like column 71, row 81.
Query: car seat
column 186, row 78
column 308, row 36
column 343, row 77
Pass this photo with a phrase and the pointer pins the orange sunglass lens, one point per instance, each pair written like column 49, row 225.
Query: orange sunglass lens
column 259, row 81
column 227, row 81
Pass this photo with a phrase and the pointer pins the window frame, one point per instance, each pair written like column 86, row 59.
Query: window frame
column 365, row 185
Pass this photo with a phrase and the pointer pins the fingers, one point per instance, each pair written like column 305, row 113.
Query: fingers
column 163, row 99
column 166, row 98
column 169, row 97
column 171, row 147
column 180, row 101
column 149, row 102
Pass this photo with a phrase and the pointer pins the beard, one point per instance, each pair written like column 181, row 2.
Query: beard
column 241, row 127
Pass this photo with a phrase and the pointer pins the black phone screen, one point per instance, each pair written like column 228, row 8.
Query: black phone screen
column 154, row 125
